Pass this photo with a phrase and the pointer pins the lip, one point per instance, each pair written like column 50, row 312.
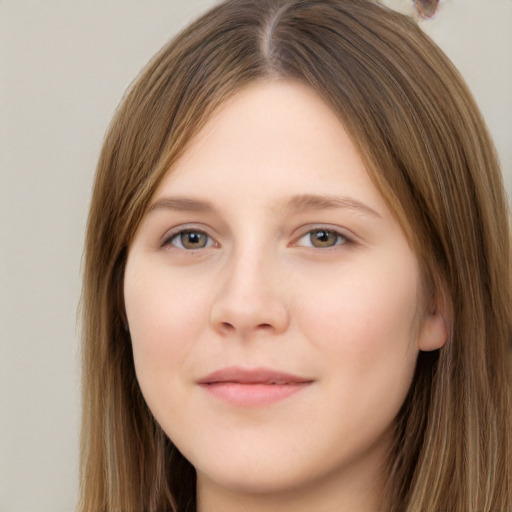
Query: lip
column 252, row 387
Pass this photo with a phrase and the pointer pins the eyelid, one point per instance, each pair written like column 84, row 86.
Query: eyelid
column 343, row 233
column 177, row 230
column 171, row 233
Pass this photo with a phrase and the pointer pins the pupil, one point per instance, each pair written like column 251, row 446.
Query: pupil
column 192, row 239
column 323, row 238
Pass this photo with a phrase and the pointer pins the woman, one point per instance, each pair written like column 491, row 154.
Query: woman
column 297, row 290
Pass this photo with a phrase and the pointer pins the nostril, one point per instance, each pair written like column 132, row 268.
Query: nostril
column 226, row 326
column 254, row 316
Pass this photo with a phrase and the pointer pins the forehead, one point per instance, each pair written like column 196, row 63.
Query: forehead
column 271, row 138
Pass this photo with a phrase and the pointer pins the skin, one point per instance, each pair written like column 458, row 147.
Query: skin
column 252, row 287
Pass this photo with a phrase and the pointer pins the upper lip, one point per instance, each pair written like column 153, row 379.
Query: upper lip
column 252, row 376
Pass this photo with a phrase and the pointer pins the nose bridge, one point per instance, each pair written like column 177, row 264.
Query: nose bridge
column 250, row 268
column 250, row 298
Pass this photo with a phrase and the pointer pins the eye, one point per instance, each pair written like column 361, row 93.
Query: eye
column 189, row 239
column 322, row 238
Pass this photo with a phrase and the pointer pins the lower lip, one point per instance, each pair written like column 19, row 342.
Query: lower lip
column 247, row 395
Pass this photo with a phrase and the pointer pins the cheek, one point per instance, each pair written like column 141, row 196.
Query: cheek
column 364, row 326
column 164, row 320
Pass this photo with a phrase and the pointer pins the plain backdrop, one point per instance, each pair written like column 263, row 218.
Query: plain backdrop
column 64, row 66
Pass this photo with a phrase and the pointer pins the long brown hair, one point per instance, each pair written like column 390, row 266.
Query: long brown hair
column 427, row 150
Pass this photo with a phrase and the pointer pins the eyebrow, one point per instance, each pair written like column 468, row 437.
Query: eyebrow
column 186, row 204
column 302, row 202
column 329, row 202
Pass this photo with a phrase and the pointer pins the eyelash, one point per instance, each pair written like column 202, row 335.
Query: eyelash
column 340, row 239
column 178, row 234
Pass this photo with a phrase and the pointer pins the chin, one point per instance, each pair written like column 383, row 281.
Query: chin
column 254, row 480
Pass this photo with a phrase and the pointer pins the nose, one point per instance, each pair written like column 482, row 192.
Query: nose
column 250, row 300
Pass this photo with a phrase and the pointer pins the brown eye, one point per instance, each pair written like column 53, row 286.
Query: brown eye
column 322, row 239
column 190, row 240
column 427, row 9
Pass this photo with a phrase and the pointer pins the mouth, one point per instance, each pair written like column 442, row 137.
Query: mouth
column 252, row 387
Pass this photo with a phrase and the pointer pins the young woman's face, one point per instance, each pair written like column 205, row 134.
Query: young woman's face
column 274, row 304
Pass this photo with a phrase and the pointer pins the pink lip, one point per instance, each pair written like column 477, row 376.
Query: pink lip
column 252, row 387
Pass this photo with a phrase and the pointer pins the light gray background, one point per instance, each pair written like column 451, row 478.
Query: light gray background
column 64, row 66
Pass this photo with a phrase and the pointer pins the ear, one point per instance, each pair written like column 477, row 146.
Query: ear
column 433, row 333
column 435, row 325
